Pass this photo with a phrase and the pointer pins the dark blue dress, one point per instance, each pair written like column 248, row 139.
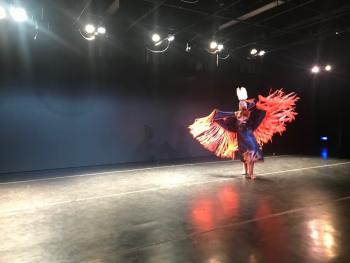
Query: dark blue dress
column 244, row 123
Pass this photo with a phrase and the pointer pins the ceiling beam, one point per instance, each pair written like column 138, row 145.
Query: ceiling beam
column 251, row 14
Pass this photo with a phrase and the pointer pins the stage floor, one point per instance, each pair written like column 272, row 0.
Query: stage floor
column 297, row 210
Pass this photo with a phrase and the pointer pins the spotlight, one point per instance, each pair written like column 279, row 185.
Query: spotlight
column 253, row 51
column 188, row 47
column 328, row 67
column 220, row 47
column 101, row 30
column 315, row 69
column 18, row 14
column 171, row 38
column 324, row 138
column 213, row 44
column 155, row 37
column 261, row 53
column 90, row 29
column 2, row 13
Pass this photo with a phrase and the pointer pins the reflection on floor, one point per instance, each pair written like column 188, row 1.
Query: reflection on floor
column 297, row 210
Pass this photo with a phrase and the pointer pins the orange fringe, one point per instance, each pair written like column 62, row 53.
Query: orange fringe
column 213, row 137
column 280, row 110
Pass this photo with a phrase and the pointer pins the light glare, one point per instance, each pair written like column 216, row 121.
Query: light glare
column 2, row 13
column 261, row 53
column 315, row 69
column 328, row 68
column 253, row 51
column 101, row 30
column 213, row 45
column 18, row 14
column 89, row 28
column 155, row 37
column 220, row 47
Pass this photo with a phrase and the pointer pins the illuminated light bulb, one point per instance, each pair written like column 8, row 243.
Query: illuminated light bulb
column 18, row 14
column 90, row 29
column 261, row 53
column 253, row 51
column 315, row 69
column 155, row 38
column 213, row 45
column 101, row 30
column 328, row 68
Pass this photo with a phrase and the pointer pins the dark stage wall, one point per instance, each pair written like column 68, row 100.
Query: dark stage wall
column 71, row 112
column 43, row 131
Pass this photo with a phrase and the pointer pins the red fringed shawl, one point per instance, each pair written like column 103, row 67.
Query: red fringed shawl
column 279, row 108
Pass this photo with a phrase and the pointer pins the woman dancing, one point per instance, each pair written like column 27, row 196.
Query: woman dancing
column 243, row 133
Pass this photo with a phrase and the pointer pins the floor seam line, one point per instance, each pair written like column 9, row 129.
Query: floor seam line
column 123, row 171
column 14, row 212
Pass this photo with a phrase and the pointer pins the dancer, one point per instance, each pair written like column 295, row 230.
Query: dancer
column 244, row 132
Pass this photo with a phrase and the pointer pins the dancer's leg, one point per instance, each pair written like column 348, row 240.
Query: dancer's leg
column 245, row 168
column 251, row 170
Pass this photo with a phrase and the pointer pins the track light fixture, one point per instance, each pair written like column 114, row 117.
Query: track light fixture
column 215, row 47
column 91, row 31
column 158, row 44
column 317, row 69
column 255, row 52
column 188, row 47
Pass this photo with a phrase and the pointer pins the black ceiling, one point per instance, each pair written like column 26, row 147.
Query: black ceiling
column 287, row 26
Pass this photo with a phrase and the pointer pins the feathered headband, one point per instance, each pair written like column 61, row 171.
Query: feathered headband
column 242, row 93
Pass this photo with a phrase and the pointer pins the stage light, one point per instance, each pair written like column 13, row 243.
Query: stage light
column 220, row 47
column 2, row 13
column 213, row 44
column 171, row 38
column 328, row 67
column 261, row 53
column 18, row 14
column 324, row 138
column 101, row 30
column 315, row 69
column 188, row 47
column 90, row 29
column 155, row 37
column 253, row 51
